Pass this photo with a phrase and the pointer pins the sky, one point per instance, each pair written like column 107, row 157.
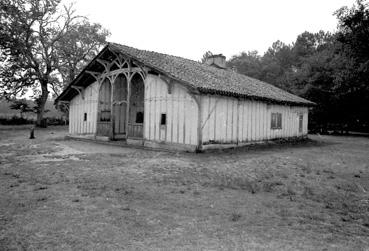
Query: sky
column 189, row 28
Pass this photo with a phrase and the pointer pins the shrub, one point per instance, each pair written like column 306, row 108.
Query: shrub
column 15, row 121
column 56, row 121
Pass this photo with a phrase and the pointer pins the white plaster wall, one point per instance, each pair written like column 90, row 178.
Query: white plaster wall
column 180, row 108
column 79, row 106
column 228, row 120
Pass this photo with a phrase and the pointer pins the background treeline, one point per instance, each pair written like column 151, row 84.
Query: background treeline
column 23, row 111
column 331, row 69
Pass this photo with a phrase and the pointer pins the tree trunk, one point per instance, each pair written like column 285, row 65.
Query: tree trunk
column 43, row 99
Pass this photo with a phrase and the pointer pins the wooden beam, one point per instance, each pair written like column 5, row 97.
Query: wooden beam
column 117, row 55
column 123, row 70
column 95, row 75
column 129, row 76
column 199, row 122
column 105, row 63
column 168, row 81
column 120, row 102
column 63, row 102
column 112, row 118
column 238, row 121
column 79, row 89
column 209, row 115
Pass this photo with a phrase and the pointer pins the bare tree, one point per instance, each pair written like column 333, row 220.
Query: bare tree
column 38, row 41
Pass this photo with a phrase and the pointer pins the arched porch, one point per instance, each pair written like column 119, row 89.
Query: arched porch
column 120, row 109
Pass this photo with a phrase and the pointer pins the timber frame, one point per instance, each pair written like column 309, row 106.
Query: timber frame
column 123, row 65
column 212, row 91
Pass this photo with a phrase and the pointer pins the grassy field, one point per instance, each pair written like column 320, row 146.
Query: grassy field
column 70, row 195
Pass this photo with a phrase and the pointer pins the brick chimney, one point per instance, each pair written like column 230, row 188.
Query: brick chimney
column 218, row 61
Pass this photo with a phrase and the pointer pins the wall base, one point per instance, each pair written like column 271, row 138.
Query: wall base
column 215, row 146
column 174, row 147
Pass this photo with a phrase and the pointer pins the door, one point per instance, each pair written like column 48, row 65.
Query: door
column 120, row 107
column 136, row 107
column 104, row 113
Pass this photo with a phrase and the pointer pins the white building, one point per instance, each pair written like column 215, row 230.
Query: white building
column 158, row 100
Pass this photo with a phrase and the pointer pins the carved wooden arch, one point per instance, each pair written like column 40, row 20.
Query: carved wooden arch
column 120, row 62
column 144, row 69
column 101, row 84
column 139, row 73
column 114, row 84
column 101, row 81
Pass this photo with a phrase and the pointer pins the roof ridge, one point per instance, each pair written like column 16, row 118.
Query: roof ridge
column 165, row 54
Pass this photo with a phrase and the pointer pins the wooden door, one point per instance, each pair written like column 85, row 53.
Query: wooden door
column 119, row 111
column 136, row 107
column 120, row 107
column 104, row 127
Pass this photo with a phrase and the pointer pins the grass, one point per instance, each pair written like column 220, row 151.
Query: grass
column 60, row 195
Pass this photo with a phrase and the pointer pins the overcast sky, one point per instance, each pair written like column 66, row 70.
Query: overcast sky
column 189, row 28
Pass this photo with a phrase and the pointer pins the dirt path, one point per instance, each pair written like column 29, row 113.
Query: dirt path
column 72, row 195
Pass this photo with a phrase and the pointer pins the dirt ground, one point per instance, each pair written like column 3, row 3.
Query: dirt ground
column 72, row 195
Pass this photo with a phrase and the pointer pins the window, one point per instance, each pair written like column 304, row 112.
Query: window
column 139, row 117
column 85, row 116
column 276, row 121
column 163, row 119
column 301, row 119
column 105, row 116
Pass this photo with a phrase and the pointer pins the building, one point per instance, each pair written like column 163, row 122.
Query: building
column 158, row 100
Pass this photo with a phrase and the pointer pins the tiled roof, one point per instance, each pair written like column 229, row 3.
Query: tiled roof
column 209, row 79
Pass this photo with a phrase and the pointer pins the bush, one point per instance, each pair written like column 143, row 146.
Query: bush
column 15, row 121
column 57, row 121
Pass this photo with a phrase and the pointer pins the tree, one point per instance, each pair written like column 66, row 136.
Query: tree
column 38, row 106
column 42, row 43
column 277, row 64
column 352, row 82
column 22, row 106
column 205, row 56
column 80, row 45
column 248, row 63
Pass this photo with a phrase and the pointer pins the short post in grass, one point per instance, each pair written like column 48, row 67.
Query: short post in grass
column 32, row 132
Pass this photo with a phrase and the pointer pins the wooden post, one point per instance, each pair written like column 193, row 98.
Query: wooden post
column 238, row 121
column 199, row 122
column 112, row 80
column 32, row 132
column 129, row 77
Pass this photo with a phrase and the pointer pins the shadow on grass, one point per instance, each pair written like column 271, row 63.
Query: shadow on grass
column 278, row 144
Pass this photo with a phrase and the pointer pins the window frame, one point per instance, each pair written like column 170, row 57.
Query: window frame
column 276, row 121
column 104, row 118
column 301, row 123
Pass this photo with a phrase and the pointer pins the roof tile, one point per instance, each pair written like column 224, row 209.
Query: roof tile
column 207, row 78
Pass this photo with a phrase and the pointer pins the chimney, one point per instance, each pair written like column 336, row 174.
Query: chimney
column 218, row 61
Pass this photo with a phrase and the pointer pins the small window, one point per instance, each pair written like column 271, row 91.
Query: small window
column 105, row 116
column 301, row 119
column 163, row 119
column 276, row 121
column 139, row 117
column 85, row 116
